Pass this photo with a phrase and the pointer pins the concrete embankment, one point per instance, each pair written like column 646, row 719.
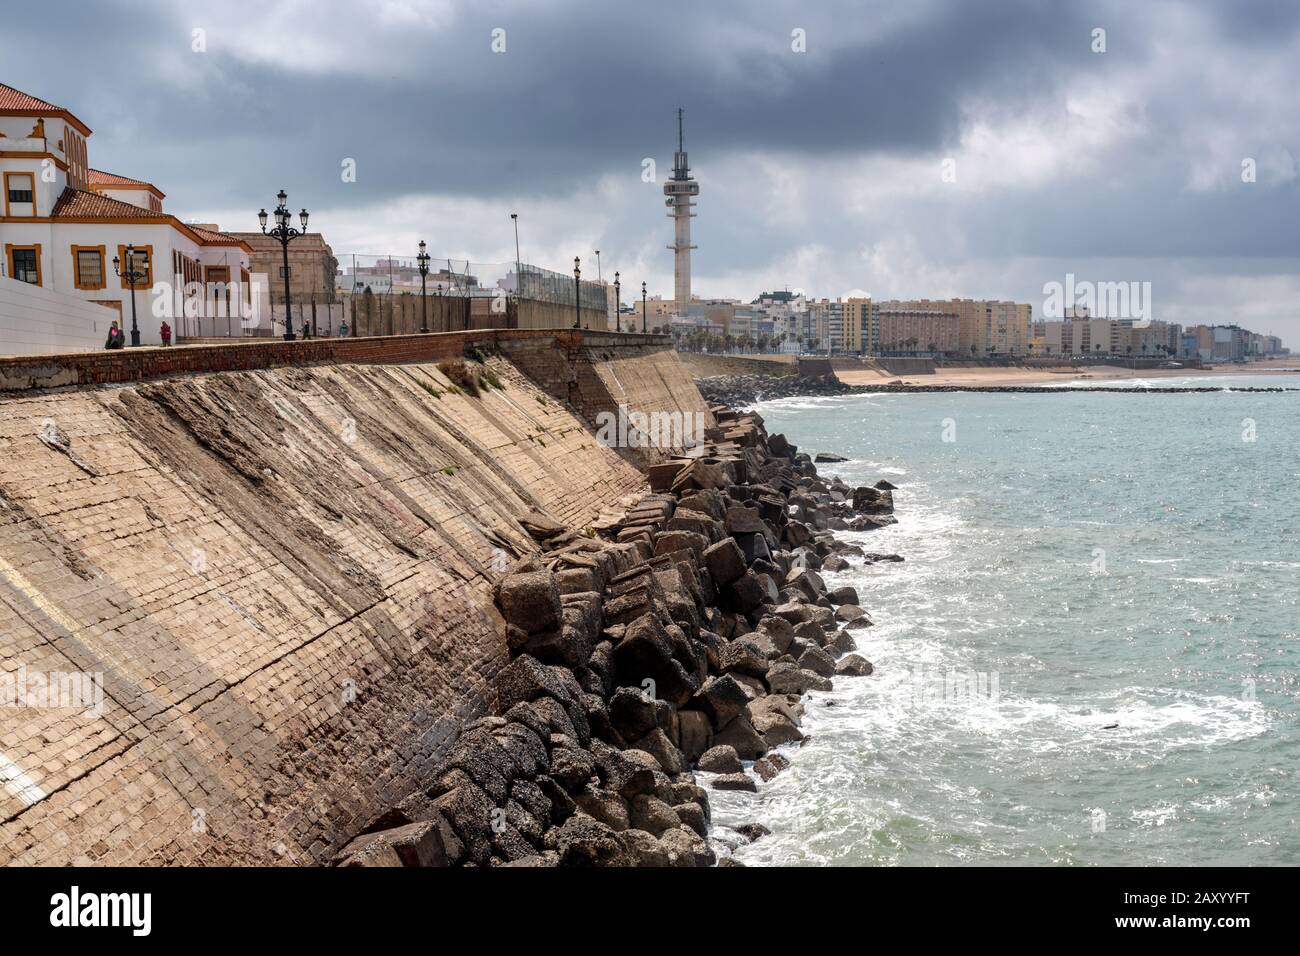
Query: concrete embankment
column 246, row 592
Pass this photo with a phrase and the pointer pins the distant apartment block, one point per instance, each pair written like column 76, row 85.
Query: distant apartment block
column 917, row 331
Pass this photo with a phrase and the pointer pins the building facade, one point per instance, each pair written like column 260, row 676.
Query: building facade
column 917, row 332
column 312, row 266
column 861, row 325
column 62, row 223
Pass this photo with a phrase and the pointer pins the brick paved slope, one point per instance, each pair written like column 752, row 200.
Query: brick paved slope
column 283, row 575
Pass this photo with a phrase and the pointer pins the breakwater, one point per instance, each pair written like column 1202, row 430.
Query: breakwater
column 680, row 635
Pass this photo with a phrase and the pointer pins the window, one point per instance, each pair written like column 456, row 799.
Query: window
column 24, row 263
column 20, row 194
column 20, row 188
column 88, row 267
column 142, row 261
column 284, row 274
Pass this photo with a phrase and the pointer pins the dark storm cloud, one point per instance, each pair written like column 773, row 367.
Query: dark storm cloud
column 411, row 90
column 582, row 90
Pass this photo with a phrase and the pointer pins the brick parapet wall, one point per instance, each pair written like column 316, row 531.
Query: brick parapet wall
column 25, row 373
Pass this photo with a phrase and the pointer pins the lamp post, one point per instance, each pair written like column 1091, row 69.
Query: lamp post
column 643, row 310
column 618, row 306
column 132, row 276
column 285, row 233
column 519, row 280
column 577, row 299
column 423, row 259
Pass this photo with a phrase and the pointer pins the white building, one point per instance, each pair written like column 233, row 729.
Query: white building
column 62, row 223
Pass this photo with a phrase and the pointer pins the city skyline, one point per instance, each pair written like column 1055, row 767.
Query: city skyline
column 1122, row 165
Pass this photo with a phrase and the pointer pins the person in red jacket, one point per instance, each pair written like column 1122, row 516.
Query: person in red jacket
column 166, row 332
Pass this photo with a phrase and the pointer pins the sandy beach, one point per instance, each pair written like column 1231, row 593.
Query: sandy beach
column 1041, row 376
column 704, row 365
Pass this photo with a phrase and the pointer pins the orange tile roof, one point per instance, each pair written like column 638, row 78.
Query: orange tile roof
column 100, row 178
column 211, row 238
column 111, row 180
column 16, row 102
column 83, row 204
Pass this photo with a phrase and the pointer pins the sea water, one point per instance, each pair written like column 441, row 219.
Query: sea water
column 1089, row 655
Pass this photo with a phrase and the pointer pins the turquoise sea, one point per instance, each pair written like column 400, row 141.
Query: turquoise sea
column 1090, row 653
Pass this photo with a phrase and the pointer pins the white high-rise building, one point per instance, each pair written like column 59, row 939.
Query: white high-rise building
column 679, row 190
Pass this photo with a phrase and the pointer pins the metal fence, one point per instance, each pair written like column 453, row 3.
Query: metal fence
column 384, row 295
column 389, row 274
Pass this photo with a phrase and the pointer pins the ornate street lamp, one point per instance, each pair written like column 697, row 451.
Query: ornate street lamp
column 643, row 310
column 577, row 307
column 132, row 276
column 423, row 259
column 618, row 305
column 285, row 233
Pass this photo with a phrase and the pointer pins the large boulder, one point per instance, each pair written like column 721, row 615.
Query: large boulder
column 657, row 744
column 644, row 848
column 686, row 520
column 843, row 595
column 415, row 844
column 669, row 541
column 530, row 600
column 572, row 768
column 609, row 808
column 745, row 593
column 779, row 630
column 742, row 520
column 841, row 642
column 584, row 841
column 741, row 735
column 694, row 733
column 685, row 847
column 818, row 661
column 725, row 561
column 770, row 766
column 526, row 679
column 734, row 781
column 854, row 665
column 742, row 657
column 785, row 678
column 632, row 713
column 721, row 760
column 652, row 815
column 849, row 612
column 646, row 652
column 722, row 698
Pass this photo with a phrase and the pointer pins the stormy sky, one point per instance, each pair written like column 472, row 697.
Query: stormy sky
column 821, row 170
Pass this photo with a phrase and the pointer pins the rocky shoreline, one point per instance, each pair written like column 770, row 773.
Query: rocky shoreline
column 679, row 635
column 739, row 391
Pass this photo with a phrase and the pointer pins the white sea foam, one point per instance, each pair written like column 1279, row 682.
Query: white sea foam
column 998, row 531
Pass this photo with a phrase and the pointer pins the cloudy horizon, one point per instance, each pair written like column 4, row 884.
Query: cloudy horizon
column 929, row 149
